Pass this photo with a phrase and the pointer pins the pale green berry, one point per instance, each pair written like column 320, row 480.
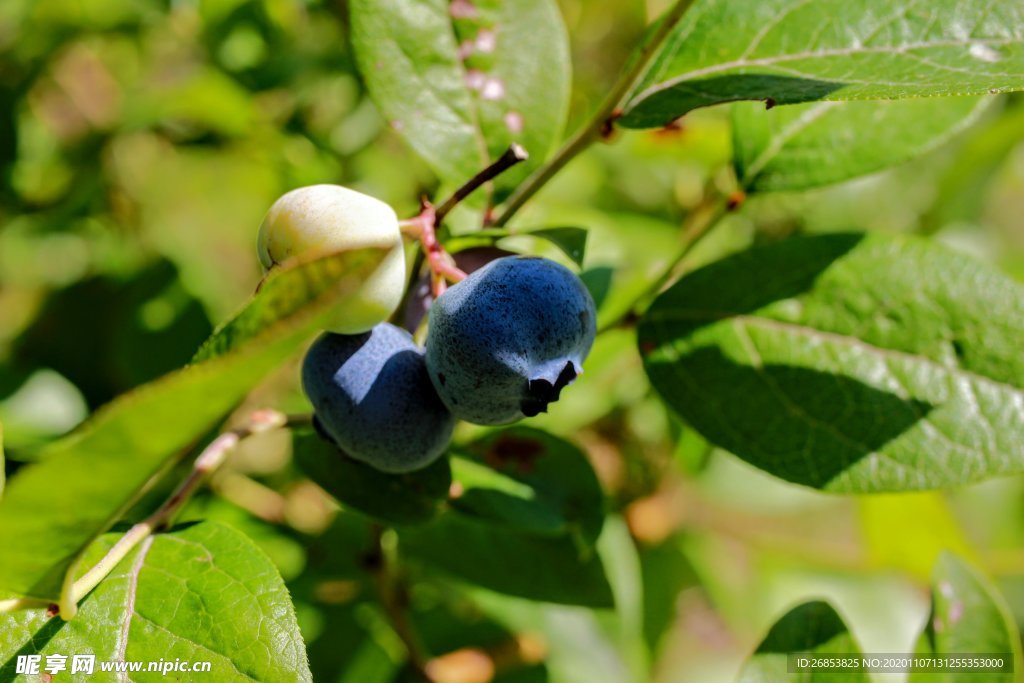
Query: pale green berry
column 330, row 218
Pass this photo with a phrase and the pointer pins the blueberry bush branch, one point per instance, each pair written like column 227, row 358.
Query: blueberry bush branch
column 602, row 122
column 212, row 457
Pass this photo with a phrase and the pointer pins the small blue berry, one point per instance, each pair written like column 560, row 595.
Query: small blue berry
column 505, row 341
column 373, row 397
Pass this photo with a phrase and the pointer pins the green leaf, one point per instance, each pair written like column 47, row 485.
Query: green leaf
column 571, row 241
column 288, row 291
column 809, row 145
column 813, row 628
column 512, row 562
column 848, row 362
column 529, row 480
column 789, row 51
column 461, row 81
column 200, row 593
column 277, row 541
column 85, row 482
column 394, row 498
column 968, row 617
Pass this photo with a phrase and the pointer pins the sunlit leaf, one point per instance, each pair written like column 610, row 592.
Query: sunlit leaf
column 809, row 145
column 848, row 362
column 460, row 81
column 789, row 51
column 199, row 593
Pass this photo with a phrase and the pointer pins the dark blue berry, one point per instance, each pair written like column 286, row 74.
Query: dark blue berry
column 504, row 342
column 373, row 397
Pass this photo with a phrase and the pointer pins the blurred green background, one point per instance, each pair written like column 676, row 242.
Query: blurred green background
column 142, row 140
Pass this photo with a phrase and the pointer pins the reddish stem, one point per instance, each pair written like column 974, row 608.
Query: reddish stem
column 424, row 227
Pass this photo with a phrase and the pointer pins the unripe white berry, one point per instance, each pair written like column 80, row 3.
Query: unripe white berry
column 331, row 218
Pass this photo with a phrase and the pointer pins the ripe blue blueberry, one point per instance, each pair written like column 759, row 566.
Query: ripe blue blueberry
column 373, row 397
column 505, row 341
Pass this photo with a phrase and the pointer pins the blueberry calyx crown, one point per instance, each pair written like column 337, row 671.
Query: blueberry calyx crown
column 540, row 392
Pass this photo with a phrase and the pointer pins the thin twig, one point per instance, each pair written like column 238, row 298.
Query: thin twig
column 579, row 142
column 512, row 156
column 212, row 457
column 15, row 604
column 393, row 594
column 602, row 121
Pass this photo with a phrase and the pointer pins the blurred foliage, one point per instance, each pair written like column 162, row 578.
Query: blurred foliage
column 142, row 140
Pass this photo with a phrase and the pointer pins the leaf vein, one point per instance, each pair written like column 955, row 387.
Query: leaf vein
column 848, row 51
